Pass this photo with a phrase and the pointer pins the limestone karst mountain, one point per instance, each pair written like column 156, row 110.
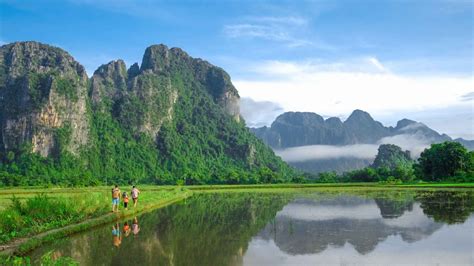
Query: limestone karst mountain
column 173, row 117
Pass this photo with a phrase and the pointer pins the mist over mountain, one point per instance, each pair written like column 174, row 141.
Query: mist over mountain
column 311, row 143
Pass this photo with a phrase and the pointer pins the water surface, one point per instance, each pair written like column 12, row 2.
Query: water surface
column 315, row 227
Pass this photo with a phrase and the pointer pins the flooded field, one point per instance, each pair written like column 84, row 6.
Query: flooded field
column 423, row 227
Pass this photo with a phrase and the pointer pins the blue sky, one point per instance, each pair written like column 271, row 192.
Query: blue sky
column 266, row 44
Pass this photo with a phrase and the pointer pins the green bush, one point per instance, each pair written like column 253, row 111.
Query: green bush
column 42, row 212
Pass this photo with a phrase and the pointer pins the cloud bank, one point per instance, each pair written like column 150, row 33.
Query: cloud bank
column 413, row 143
column 259, row 113
column 322, row 152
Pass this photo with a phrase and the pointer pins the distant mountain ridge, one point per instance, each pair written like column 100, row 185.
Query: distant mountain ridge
column 294, row 129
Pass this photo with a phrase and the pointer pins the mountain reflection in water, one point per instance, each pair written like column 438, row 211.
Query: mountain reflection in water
column 365, row 227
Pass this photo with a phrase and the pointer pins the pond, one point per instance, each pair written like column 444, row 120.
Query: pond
column 431, row 227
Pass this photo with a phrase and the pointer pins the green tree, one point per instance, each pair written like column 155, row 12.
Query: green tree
column 391, row 156
column 444, row 160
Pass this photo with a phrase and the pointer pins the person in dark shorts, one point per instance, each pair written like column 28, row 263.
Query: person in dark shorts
column 125, row 200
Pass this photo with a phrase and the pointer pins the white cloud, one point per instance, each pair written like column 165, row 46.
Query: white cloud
column 340, row 87
column 252, row 30
column 289, row 30
column 468, row 96
column 257, row 114
column 414, row 143
column 323, row 152
column 377, row 64
column 313, row 212
column 288, row 20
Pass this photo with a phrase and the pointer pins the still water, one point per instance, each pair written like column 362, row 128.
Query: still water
column 310, row 228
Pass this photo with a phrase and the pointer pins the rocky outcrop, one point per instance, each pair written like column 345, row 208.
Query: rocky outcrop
column 108, row 83
column 158, row 59
column 45, row 89
column 364, row 129
column 143, row 98
column 42, row 89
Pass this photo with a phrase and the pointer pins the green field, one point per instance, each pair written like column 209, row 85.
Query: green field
column 149, row 191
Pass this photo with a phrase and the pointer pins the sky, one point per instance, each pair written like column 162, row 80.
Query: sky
column 394, row 59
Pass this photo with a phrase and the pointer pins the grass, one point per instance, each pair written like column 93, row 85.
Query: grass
column 38, row 210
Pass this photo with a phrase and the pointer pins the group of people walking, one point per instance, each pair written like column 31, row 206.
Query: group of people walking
column 116, row 198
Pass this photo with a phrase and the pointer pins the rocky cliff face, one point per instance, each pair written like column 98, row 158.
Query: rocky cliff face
column 43, row 93
column 108, row 84
column 364, row 129
column 151, row 89
column 160, row 60
column 299, row 128
column 171, row 118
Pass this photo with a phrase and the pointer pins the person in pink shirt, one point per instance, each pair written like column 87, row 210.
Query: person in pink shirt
column 134, row 194
column 135, row 227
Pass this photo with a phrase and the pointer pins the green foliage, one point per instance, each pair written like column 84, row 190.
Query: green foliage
column 444, row 160
column 42, row 212
column 67, row 88
column 391, row 156
column 48, row 259
column 38, row 88
column 447, row 206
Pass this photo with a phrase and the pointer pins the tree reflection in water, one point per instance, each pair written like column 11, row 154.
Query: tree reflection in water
column 216, row 229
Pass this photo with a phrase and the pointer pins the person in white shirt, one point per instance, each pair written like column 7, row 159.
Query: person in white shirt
column 134, row 194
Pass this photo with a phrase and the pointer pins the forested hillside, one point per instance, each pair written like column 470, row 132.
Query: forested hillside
column 172, row 119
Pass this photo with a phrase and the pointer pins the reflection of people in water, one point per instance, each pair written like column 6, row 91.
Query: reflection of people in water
column 117, row 238
column 135, row 227
column 126, row 229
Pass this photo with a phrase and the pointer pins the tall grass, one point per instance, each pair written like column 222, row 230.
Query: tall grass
column 43, row 212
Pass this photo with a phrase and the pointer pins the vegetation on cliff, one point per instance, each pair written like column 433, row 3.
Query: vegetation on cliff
column 174, row 119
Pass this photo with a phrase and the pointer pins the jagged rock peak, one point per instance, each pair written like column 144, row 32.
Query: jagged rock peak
column 299, row 118
column 112, row 68
column 108, row 80
column 21, row 57
column 158, row 57
column 404, row 123
column 334, row 121
column 133, row 71
column 359, row 115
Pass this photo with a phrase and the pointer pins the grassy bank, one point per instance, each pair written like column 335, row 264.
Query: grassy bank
column 32, row 218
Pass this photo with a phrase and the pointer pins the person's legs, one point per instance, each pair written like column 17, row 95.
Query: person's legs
column 115, row 205
column 135, row 200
